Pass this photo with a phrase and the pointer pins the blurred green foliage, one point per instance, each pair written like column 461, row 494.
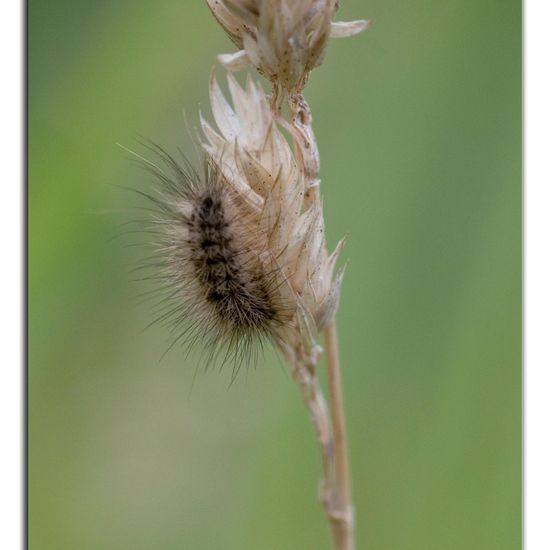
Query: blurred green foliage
column 419, row 126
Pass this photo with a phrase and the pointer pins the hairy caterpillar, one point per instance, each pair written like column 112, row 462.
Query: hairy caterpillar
column 217, row 284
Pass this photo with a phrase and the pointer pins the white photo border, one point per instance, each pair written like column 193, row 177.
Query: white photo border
column 13, row 275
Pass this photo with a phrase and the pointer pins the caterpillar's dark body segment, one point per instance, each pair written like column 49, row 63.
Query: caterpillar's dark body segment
column 238, row 295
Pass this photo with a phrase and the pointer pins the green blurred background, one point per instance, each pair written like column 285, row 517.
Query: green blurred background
column 419, row 126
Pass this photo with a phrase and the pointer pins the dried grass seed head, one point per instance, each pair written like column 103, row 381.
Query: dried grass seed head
column 260, row 172
column 284, row 39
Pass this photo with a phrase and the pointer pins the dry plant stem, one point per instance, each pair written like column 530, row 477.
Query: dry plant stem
column 314, row 400
column 342, row 518
column 330, row 429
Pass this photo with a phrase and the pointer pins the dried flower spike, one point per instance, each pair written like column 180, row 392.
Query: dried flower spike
column 241, row 255
column 288, row 233
column 284, row 39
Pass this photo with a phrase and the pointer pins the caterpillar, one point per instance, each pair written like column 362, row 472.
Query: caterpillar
column 217, row 288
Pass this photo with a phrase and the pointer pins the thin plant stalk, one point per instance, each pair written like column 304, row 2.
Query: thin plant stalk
column 329, row 424
column 342, row 517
